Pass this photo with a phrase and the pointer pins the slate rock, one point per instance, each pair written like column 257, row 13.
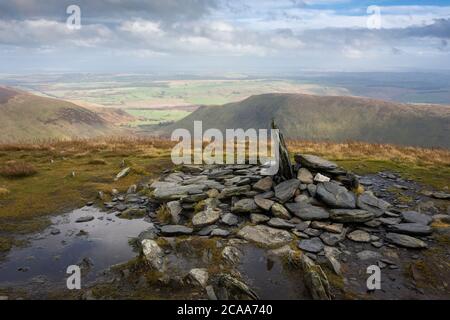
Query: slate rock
column 411, row 229
column 264, row 204
column 306, row 211
column 279, row 211
column 405, row 241
column 315, row 162
column 286, row 190
column 280, row 223
column 305, row 176
column 206, row 217
column 313, row 245
column 175, row 230
column 415, row 217
column 351, row 216
column 369, row 202
column 263, row 185
column 245, row 206
column 335, row 195
column 265, row 236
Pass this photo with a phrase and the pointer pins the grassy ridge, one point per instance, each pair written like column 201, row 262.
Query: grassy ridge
column 24, row 117
column 336, row 119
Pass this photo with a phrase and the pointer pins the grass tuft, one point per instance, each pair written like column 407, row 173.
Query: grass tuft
column 15, row 169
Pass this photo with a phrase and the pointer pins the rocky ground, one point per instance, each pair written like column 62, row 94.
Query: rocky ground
column 229, row 232
column 325, row 226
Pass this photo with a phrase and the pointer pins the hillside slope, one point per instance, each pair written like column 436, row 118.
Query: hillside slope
column 331, row 118
column 24, row 116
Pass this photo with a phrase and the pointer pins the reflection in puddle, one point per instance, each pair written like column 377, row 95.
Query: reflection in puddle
column 267, row 276
column 102, row 242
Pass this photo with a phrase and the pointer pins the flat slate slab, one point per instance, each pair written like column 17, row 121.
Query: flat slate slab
column 286, row 190
column 313, row 245
column 314, row 162
column 175, row 230
column 416, row 217
column 336, row 196
column 265, row 236
column 306, row 211
column 415, row 229
column 406, row 241
column 351, row 216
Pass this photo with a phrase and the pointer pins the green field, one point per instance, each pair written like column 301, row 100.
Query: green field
column 151, row 117
column 156, row 94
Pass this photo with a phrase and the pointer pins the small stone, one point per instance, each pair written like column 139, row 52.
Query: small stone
column 122, row 174
column 312, row 190
column 321, row 178
column 153, row 254
column 280, row 223
column 286, row 190
column 230, row 219
column 175, row 210
column 84, row 219
column 302, row 198
column 175, row 230
column 350, row 216
column 212, row 193
column 132, row 189
column 258, row 218
column 231, row 255
column 359, row 236
column 331, row 239
column 415, row 217
column 313, row 245
column 55, row 232
column 312, row 232
column 305, row 176
column 411, row 229
column 405, row 241
column 199, row 276
column 265, row 236
column 263, row 185
column 245, row 206
column 315, row 162
column 264, row 204
column 377, row 244
column 307, row 212
column 207, row 217
column 279, row 211
column 335, row 195
column 367, row 201
column 220, row 233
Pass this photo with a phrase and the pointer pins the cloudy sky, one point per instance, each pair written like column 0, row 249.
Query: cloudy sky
column 216, row 36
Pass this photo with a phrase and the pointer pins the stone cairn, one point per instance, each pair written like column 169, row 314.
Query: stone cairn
column 313, row 204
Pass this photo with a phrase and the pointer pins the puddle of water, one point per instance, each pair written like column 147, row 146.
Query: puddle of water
column 266, row 275
column 48, row 255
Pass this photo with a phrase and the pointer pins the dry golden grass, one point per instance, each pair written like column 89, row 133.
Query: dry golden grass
column 362, row 151
column 15, row 169
column 3, row 192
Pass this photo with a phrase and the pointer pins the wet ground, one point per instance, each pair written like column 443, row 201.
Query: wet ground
column 95, row 246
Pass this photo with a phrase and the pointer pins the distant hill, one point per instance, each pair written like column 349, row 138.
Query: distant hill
column 24, row 116
column 331, row 118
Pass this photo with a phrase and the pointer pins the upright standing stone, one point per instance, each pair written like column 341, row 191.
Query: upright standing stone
column 285, row 167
